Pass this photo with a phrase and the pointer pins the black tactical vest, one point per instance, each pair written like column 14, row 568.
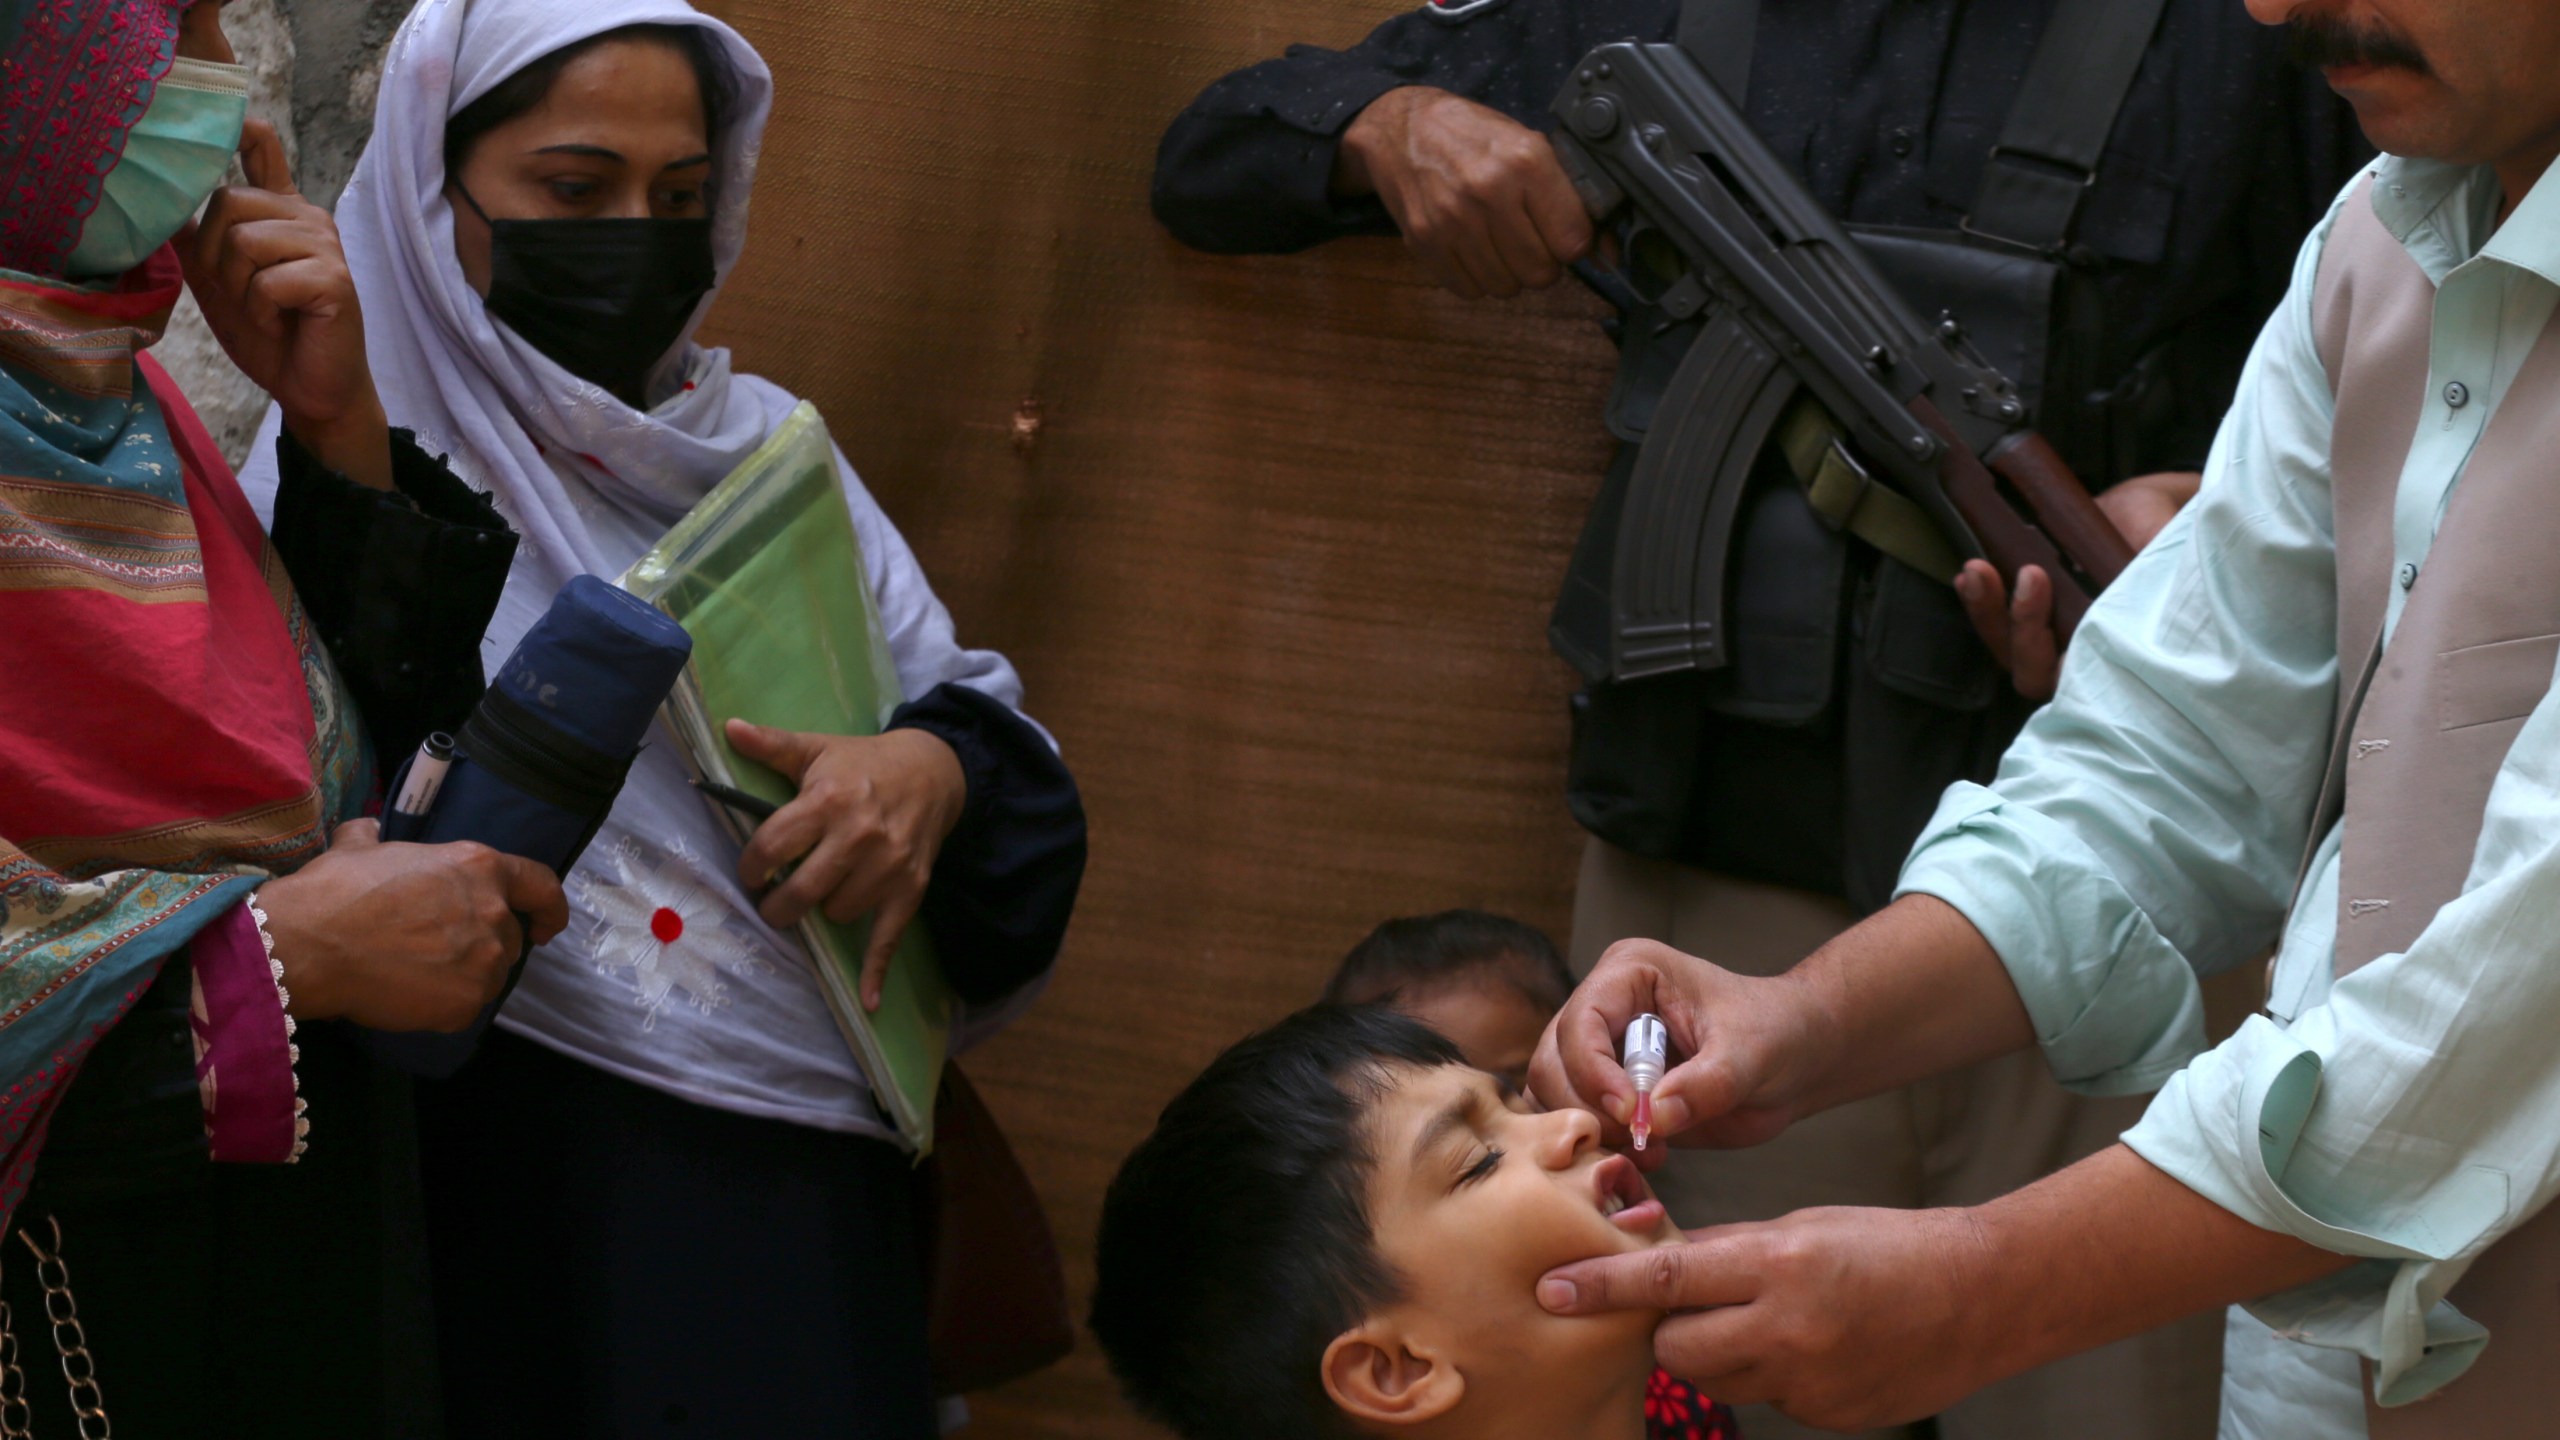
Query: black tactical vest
column 1856, row 690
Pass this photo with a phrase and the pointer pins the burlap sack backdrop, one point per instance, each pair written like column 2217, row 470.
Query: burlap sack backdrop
column 1273, row 540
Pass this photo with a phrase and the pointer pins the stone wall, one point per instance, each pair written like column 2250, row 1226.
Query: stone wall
column 337, row 62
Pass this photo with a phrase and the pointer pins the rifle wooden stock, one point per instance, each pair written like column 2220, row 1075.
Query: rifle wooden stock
column 2062, row 506
column 2075, row 539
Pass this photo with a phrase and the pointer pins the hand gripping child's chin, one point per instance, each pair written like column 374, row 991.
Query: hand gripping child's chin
column 1338, row 1230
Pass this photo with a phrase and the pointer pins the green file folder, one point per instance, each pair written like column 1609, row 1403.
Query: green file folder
column 766, row 575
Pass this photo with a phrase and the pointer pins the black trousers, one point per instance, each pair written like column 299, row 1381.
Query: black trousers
column 612, row 1261
column 231, row 1302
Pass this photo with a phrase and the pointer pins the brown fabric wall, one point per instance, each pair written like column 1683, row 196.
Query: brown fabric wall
column 1276, row 567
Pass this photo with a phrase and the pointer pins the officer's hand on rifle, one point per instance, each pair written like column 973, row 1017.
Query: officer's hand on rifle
column 1480, row 197
column 2019, row 628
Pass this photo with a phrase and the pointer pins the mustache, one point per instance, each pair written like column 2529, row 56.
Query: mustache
column 2319, row 40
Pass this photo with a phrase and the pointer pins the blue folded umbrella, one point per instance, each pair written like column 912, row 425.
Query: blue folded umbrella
column 542, row 757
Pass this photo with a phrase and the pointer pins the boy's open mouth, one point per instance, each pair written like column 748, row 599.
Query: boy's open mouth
column 1622, row 1197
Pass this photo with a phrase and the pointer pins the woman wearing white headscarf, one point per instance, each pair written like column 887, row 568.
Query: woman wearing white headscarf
column 661, row 1197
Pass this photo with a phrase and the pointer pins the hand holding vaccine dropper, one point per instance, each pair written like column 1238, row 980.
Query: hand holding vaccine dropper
column 1646, row 1054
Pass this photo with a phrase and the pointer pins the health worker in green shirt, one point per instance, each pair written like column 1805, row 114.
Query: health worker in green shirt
column 2314, row 716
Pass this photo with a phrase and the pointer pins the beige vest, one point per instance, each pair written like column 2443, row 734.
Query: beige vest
column 2424, row 724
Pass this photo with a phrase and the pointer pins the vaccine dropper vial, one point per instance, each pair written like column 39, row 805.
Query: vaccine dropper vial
column 1647, row 1053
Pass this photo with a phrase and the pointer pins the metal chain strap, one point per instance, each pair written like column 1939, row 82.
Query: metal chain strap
column 17, row 1420
column 79, row 1368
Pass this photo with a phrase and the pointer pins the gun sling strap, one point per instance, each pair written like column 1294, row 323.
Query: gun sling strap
column 1720, row 35
column 1847, row 498
column 2028, row 199
column 2047, row 155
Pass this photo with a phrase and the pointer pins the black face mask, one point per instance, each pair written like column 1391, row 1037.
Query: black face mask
column 605, row 299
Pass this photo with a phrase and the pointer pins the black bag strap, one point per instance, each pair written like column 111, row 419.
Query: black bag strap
column 1719, row 34
column 2047, row 155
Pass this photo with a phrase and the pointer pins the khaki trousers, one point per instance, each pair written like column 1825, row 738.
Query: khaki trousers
column 1956, row 1140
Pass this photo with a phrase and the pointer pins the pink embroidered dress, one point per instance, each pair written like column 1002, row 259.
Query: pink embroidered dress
column 170, row 731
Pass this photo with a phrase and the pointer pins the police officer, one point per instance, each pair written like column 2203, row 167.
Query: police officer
column 2113, row 229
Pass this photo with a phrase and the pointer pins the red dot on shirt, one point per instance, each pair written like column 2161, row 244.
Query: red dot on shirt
column 667, row 925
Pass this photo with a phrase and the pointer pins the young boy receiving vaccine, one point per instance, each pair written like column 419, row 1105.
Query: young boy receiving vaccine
column 1337, row 1231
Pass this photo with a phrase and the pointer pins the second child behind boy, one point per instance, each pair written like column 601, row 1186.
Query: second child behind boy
column 1488, row 982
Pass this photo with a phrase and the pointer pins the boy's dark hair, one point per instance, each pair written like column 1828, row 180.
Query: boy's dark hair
column 1419, row 951
column 1235, row 1241
column 531, row 85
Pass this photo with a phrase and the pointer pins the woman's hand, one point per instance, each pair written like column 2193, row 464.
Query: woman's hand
column 2019, row 628
column 406, row 937
column 1754, row 1048
column 871, row 815
column 267, row 270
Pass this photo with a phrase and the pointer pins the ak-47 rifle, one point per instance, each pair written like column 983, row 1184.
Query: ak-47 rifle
column 1715, row 228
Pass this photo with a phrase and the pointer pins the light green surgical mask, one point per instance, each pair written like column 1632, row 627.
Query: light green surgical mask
column 173, row 159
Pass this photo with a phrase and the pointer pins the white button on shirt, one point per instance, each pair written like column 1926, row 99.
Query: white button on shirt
column 2147, row 827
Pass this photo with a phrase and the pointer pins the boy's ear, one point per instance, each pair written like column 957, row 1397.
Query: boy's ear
column 1379, row 1374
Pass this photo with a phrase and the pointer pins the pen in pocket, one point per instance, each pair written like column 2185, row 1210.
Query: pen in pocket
column 419, row 788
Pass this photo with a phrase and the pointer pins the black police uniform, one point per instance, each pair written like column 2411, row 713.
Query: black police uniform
column 1857, row 691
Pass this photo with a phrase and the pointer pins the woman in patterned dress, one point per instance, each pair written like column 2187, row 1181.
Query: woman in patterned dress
column 183, row 878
